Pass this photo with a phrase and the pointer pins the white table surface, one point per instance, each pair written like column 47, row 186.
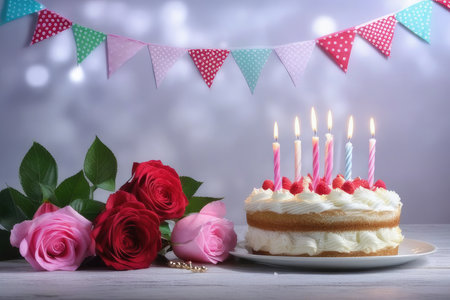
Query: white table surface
column 427, row 278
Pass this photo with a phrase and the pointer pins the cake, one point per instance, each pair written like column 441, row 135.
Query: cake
column 345, row 219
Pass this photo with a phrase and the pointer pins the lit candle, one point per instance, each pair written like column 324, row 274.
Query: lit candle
column 276, row 159
column 315, row 142
column 372, row 143
column 349, row 150
column 298, row 151
column 329, row 151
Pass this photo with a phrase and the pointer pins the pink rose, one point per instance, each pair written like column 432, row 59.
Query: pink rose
column 205, row 236
column 54, row 240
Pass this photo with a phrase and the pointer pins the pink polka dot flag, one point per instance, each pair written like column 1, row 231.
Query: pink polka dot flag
column 380, row 33
column 163, row 58
column 49, row 24
column 295, row 57
column 119, row 50
column 208, row 62
column 338, row 46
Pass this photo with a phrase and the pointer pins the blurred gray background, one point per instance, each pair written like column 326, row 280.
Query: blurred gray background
column 223, row 135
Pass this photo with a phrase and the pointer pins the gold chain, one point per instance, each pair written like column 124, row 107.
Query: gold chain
column 187, row 266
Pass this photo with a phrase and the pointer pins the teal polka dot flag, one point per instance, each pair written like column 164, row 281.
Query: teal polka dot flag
column 251, row 62
column 14, row 9
column 417, row 18
column 87, row 40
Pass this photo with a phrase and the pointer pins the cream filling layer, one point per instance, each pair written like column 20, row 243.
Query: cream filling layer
column 313, row 243
column 308, row 202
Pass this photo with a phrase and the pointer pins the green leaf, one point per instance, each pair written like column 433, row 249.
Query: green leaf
column 10, row 214
column 165, row 231
column 48, row 193
column 197, row 203
column 27, row 205
column 75, row 187
column 37, row 167
column 189, row 185
column 88, row 208
column 6, row 250
column 100, row 166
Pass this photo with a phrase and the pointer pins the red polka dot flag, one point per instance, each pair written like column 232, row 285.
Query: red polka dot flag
column 445, row 3
column 49, row 24
column 338, row 46
column 208, row 62
column 380, row 33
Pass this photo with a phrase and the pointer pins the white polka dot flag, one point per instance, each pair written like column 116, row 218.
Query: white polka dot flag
column 379, row 33
column 119, row 50
column 295, row 58
column 417, row 18
column 338, row 46
column 163, row 58
column 251, row 62
column 49, row 24
column 15, row 9
column 445, row 3
column 208, row 62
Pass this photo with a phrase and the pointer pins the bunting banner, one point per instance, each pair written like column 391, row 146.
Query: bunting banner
column 380, row 34
column 208, row 62
column 17, row 9
column 49, row 24
column 417, row 18
column 338, row 46
column 295, row 58
column 163, row 58
column 444, row 3
column 86, row 40
column 120, row 49
column 251, row 61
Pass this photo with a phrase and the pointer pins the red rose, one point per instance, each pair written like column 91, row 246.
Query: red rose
column 159, row 188
column 127, row 234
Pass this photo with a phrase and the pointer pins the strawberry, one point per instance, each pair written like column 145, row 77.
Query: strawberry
column 322, row 188
column 268, row 184
column 380, row 184
column 338, row 182
column 286, row 183
column 310, row 186
column 348, row 187
column 296, row 188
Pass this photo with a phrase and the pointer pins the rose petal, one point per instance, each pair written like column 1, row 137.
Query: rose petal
column 215, row 209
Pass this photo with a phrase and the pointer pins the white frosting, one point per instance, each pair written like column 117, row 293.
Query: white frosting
column 313, row 243
column 308, row 202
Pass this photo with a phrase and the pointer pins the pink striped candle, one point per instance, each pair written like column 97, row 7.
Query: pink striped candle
column 315, row 142
column 276, row 159
column 329, row 151
column 372, row 143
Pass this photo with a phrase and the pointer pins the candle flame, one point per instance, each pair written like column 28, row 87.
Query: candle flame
column 350, row 128
column 297, row 127
column 330, row 120
column 275, row 131
column 313, row 120
column 372, row 127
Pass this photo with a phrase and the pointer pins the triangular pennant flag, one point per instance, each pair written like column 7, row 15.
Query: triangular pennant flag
column 338, row 46
column 49, row 24
column 445, row 3
column 417, row 18
column 295, row 57
column 120, row 49
column 163, row 58
column 251, row 63
column 14, row 9
column 86, row 40
column 208, row 62
column 380, row 34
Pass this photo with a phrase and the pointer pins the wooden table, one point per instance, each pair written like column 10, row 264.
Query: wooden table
column 427, row 278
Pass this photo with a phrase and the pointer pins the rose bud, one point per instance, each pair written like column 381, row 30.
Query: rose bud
column 205, row 236
column 158, row 187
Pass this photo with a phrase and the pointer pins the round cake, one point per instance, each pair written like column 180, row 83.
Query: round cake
column 345, row 219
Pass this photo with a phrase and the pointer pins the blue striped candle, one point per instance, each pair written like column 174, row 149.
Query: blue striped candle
column 349, row 151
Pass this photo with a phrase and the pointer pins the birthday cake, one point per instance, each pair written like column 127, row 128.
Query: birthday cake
column 347, row 218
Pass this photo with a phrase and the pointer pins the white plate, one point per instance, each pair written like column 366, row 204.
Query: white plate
column 409, row 250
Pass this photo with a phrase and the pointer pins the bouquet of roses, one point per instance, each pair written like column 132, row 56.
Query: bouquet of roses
column 57, row 227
